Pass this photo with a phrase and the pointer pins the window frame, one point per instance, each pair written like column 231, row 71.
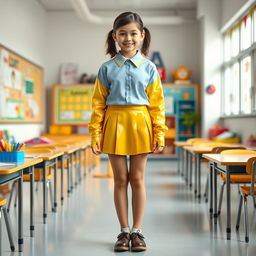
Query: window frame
column 250, row 51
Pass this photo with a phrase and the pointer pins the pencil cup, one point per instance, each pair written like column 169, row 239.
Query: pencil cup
column 15, row 156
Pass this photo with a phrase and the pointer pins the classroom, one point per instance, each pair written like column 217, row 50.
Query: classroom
column 127, row 127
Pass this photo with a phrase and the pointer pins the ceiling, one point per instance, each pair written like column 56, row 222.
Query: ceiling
column 162, row 12
column 105, row 5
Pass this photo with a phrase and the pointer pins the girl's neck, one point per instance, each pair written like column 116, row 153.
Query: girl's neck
column 129, row 55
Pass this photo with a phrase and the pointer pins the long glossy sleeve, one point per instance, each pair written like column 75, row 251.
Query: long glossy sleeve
column 157, row 110
column 99, row 106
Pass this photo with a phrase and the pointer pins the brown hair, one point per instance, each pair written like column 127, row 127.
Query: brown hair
column 122, row 20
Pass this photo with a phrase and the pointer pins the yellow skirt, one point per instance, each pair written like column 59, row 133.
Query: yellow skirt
column 127, row 130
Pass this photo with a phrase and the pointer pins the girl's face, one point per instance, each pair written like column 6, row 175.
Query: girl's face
column 128, row 38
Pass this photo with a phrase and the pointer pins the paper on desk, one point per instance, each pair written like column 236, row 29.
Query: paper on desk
column 31, row 156
column 6, row 164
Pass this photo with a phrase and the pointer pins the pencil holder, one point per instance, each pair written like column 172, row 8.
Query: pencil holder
column 15, row 156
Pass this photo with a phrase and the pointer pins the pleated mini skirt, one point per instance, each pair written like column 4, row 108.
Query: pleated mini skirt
column 127, row 130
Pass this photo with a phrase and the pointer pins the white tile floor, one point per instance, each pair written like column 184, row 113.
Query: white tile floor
column 174, row 224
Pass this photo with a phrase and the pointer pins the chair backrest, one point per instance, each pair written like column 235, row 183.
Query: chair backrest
column 50, row 146
column 222, row 148
column 38, row 150
column 196, row 140
column 251, row 169
column 238, row 152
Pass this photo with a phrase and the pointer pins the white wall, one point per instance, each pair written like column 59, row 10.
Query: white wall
column 71, row 40
column 23, row 30
column 210, row 55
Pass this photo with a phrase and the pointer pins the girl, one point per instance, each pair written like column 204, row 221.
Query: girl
column 128, row 119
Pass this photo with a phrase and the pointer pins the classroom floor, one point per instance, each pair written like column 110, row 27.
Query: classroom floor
column 174, row 224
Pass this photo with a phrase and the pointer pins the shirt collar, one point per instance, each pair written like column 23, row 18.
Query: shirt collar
column 136, row 60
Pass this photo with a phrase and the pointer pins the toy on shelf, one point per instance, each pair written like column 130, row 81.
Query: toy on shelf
column 181, row 75
column 251, row 141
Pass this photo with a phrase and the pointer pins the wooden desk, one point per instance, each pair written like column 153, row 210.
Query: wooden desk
column 49, row 159
column 15, row 172
column 180, row 151
column 227, row 164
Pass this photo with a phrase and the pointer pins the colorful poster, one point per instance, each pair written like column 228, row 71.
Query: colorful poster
column 72, row 103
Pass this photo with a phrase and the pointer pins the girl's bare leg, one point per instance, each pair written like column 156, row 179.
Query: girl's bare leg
column 136, row 177
column 120, row 170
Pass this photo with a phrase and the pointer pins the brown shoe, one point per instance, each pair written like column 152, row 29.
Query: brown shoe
column 122, row 243
column 138, row 243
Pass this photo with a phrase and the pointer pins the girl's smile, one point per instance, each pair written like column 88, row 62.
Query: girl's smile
column 128, row 38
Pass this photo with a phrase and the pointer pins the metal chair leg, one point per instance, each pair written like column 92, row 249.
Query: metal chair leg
column 246, row 220
column 239, row 212
column 9, row 229
column 221, row 197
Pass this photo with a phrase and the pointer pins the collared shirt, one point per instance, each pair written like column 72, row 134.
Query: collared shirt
column 127, row 79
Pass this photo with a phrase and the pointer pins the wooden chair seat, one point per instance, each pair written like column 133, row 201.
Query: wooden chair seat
column 247, row 190
column 2, row 201
column 237, row 178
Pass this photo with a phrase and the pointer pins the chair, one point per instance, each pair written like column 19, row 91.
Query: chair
column 8, row 225
column 236, row 178
column 38, row 176
column 245, row 192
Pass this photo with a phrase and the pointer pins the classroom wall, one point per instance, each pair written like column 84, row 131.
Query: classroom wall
column 210, row 56
column 72, row 40
column 23, row 30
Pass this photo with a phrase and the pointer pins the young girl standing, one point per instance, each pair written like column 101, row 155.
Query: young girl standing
column 128, row 119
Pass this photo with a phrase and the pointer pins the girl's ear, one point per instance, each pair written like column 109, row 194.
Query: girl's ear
column 114, row 36
column 143, row 35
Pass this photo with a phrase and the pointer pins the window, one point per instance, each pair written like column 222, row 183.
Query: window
column 246, row 32
column 234, row 100
column 227, row 91
column 227, row 52
column 246, row 85
column 239, row 63
column 235, row 41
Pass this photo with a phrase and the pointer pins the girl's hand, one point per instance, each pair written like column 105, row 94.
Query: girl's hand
column 157, row 149
column 96, row 149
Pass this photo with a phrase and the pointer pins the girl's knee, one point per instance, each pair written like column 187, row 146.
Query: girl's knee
column 121, row 182
column 136, row 182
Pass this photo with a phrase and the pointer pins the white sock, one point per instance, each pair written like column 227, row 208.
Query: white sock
column 136, row 230
column 127, row 230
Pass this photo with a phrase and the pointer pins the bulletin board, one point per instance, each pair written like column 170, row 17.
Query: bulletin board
column 72, row 103
column 21, row 89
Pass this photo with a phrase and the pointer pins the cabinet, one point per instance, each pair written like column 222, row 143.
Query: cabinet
column 179, row 100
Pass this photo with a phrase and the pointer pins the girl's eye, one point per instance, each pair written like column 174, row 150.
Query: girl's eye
column 134, row 34
column 122, row 34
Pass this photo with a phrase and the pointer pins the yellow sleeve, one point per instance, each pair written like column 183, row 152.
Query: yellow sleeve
column 157, row 111
column 99, row 106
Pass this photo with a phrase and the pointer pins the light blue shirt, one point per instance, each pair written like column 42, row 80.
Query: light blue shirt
column 127, row 79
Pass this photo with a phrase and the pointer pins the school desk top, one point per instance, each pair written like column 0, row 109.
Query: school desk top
column 8, row 169
column 228, row 159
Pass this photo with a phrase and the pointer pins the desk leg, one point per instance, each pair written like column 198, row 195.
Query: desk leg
column 32, row 183
column 178, row 153
column 20, row 212
column 196, row 169
column 55, row 185
column 44, row 194
column 198, row 157
column 187, row 167
column 80, row 165
column 182, row 161
column 68, row 174
column 228, row 205
column 211, row 189
column 71, row 172
column 215, row 210
column 191, row 172
column 85, row 161
column 62, row 180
